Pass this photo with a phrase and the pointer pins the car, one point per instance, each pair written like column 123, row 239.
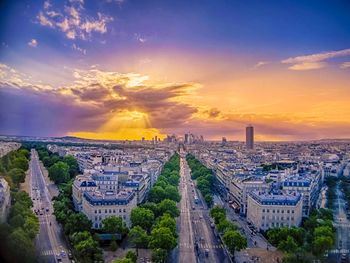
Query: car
column 206, row 252
column 212, row 225
column 70, row 255
column 193, row 208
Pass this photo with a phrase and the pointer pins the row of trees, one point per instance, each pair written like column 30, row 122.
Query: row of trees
column 76, row 226
column 17, row 236
column 204, row 177
column 153, row 223
column 304, row 244
column 61, row 169
column 233, row 239
column 13, row 167
column 345, row 187
column 331, row 183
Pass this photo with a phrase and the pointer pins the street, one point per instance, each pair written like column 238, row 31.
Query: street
column 342, row 224
column 49, row 242
column 197, row 240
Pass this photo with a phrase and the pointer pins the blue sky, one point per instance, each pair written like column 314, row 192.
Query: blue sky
column 214, row 45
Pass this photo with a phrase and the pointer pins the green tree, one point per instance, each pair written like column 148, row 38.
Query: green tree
column 17, row 175
column 159, row 255
column 114, row 224
column 59, row 172
column 20, row 162
column 225, row 225
column 162, row 237
column 131, row 255
column 168, row 206
column 73, row 165
column 88, row 250
column 167, row 221
column 156, row 194
column 321, row 244
column 138, row 237
column 288, row 245
column 123, row 260
column 77, row 222
column 234, row 241
column 142, row 217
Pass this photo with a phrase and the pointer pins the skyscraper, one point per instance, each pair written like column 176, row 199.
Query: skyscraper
column 249, row 137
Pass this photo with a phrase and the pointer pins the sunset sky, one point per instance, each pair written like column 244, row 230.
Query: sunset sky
column 126, row 69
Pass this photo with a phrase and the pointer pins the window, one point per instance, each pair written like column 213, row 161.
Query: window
column 278, row 210
column 95, row 211
column 124, row 210
column 273, row 211
column 282, row 211
column 292, row 211
column 99, row 211
column 288, row 211
column 263, row 217
column 268, row 210
column 263, row 210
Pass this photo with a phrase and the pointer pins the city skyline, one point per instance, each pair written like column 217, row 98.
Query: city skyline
column 132, row 69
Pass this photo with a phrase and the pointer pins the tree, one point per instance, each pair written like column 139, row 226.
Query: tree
column 321, row 244
column 225, row 225
column 208, row 198
column 168, row 206
column 131, row 255
column 167, row 221
column 88, row 250
column 288, row 245
column 20, row 162
column 123, row 260
column 162, row 237
column 59, row 172
column 172, row 193
column 77, row 222
column 17, row 175
column 142, row 217
column 73, row 165
column 234, row 241
column 138, row 237
column 23, row 247
column 114, row 245
column 159, row 255
column 156, row 194
column 114, row 224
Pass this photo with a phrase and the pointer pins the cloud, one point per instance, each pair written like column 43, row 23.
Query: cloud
column 308, row 66
column 260, row 64
column 106, row 102
column 33, row 43
column 140, row 38
column 73, row 20
column 314, row 61
column 89, row 103
column 77, row 48
column 345, row 65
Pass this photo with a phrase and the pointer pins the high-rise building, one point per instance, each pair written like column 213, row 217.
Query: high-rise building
column 249, row 137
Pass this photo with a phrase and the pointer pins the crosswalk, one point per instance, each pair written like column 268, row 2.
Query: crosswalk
column 47, row 252
column 204, row 246
column 338, row 251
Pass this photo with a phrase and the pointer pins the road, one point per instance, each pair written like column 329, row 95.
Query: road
column 49, row 242
column 341, row 222
column 194, row 225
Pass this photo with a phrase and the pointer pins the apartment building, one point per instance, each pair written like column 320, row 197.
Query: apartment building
column 269, row 210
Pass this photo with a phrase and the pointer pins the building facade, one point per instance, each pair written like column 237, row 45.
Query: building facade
column 267, row 210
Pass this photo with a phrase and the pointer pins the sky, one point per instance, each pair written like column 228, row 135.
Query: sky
column 127, row 69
